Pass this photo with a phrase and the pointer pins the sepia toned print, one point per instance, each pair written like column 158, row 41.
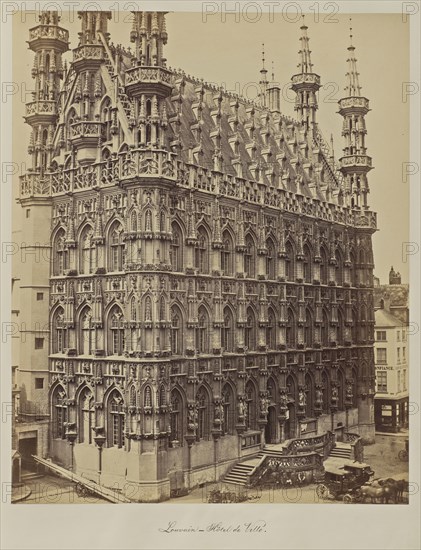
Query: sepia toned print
column 202, row 320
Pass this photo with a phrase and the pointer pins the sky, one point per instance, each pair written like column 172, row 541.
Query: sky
column 227, row 52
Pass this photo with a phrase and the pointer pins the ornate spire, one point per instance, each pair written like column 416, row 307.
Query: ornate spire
column 306, row 84
column 305, row 65
column 263, row 79
column 353, row 88
column 355, row 163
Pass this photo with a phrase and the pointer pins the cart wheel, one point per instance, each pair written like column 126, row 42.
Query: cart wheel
column 348, row 499
column 322, row 491
column 403, row 455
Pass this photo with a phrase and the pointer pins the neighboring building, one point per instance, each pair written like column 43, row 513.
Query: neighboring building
column 210, row 286
column 391, row 355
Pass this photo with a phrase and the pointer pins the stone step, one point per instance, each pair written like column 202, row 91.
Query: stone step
column 30, row 476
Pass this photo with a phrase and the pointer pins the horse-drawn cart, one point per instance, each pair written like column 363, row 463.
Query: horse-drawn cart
column 342, row 481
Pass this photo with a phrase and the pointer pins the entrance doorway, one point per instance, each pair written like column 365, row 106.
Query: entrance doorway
column 291, row 423
column 27, row 448
column 270, row 428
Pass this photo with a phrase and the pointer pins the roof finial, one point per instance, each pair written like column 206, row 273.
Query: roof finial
column 350, row 31
column 263, row 55
column 273, row 72
column 263, row 79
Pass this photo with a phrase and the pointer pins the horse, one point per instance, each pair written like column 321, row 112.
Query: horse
column 402, row 487
column 390, row 488
column 374, row 493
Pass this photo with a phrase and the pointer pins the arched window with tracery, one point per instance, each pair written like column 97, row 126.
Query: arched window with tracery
column 201, row 255
column 176, row 418
column 147, row 397
column 308, row 329
column 87, row 256
column 59, row 343
column 250, row 257
column 162, row 396
column 271, row 330
column 227, row 254
column 147, row 310
column 115, row 419
column 176, row 248
column 289, row 262
column 202, row 331
column 115, row 331
column 227, row 334
column 176, row 332
column 133, row 309
column 133, row 396
column 339, row 268
column 60, row 260
column 251, row 406
column 307, row 265
column 340, row 329
column 107, row 118
column 86, row 416
column 116, row 250
column 270, row 260
column 228, row 408
column 324, row 267
column 250, row 330
column 203, row 424
column 86, row 333
column 59, row 412
column 291, row 329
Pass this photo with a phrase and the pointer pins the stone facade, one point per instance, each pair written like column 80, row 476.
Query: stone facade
column 210, row 278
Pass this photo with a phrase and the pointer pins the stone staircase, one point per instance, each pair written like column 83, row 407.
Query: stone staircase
column 238, row 474
column 341, row 450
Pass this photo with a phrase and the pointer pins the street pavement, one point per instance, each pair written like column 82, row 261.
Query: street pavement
column 382, row 457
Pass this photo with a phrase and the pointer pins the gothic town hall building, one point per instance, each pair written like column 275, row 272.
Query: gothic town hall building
column 209, row 285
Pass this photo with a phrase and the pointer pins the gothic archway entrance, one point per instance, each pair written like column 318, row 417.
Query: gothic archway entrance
column 270, row 428
column 290, row 422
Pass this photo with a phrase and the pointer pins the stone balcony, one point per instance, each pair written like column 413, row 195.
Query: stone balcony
column 353, row 104
column 146, row 79
column 42, row 35
column 302, row 80
column 85, row 132
column 363, row 163
column 87, row 57
column 40, row 111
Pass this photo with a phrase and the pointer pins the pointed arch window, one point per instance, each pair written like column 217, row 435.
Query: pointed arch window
column 148, row 221
column 338, row 268
column 115, row 424
column 176, row 332
column 133, row 398
column 250, row 330
column 325, row 329
column 116, row 331
column 147, row 397
column 340, row 329
column 116, row 259
column 59, row 412
column 162, row 398
column 162, row 222
column 202, row 332
column 60, row 261
column 227, row 255
column 271, row 330
column 133, row 309
column 250, row 258
column 148, row 310
column 290, row 329
column 308, row 329
column 176, row 248
column 87, row 258
column 60, row 340
column 289, row 262
column 324, row 267
column 202, row 403
column 87, row 333
column 251, row 407
column 227, row 336
column 87, row 416
column 202, row 251
column 307, row 265
column 271, row 388
column 176, row 418
column 270, row 260
column 354, row 326
column 228, row 408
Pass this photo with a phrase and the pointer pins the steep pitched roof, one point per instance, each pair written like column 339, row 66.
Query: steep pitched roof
column 384, row 318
